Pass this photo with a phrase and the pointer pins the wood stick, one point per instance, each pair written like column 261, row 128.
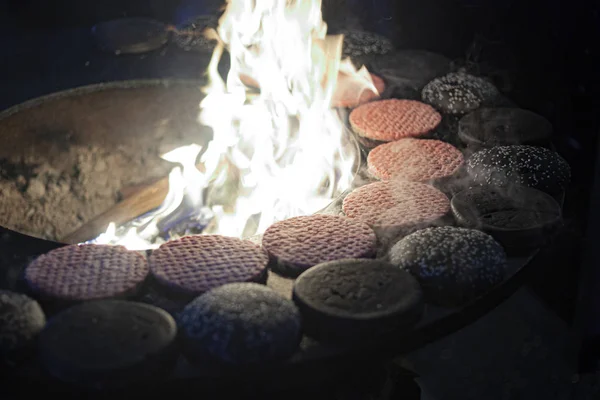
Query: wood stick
column 129, row 191
column 140, row 199
column 144, row 200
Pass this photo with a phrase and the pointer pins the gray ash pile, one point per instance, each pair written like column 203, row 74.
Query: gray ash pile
column 41, row 198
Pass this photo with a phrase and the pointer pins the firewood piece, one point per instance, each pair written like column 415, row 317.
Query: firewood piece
column 137, row 200
column 144, row 200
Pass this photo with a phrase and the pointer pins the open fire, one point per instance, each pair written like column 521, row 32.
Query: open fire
column 275, row 154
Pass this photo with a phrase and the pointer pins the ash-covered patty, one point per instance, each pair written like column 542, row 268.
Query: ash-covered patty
column 489, row 127
column 410, row 69
column 519, row 218
column 21, row 319
column 360, row 45
column 109, row 343
column 459, row 93
column 414, row 160
column 352, row 300
column 349, row 95
column 396, row 204
column 86, row 272
column 524, row 165
column 393, row 119
column 240, row 324
column 193, row 265
column 299, row 243
column 453, row 265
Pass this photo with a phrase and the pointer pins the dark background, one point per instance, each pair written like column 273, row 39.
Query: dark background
column 543, row 54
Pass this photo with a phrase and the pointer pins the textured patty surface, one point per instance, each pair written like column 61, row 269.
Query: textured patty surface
column 86, row 272
column 393, row 119
column 414, row 160
column 307, row 241
column 396, row 204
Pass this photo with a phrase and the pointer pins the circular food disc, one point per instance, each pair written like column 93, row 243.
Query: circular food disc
column 240, row 324
column 410, row 68
column 393, row 119
column 193, row 265
column 21, row 319
column 489, row 127
column 107, row 342
column 86, row 272
column 130, row 35
column 523, row 165
column 414, row 160
column 519, row 218
column 397, row 204
column 299, row 243
column 459, row 93
column 453, row 265
column 350, row 300
column 361, row 45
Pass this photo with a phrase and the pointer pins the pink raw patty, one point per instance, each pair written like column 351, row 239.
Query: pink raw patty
column 196, row 264
column 303, row 242
column 417, row 160
column 393, row 119
column 396, row 204
column 86, row 272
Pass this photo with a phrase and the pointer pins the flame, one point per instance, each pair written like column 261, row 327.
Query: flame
column 353, row 85
column 279, row 153
column 141, row 233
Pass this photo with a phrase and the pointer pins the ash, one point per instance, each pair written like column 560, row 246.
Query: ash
column 41, row 199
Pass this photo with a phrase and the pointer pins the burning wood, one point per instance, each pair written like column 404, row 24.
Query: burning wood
column 278, row 154
column 144, row 200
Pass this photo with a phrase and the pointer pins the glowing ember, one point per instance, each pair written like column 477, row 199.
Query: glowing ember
column 280, row 153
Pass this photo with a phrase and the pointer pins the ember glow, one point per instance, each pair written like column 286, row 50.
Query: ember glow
column 276, row 154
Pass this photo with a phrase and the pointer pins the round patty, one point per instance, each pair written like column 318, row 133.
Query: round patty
column 393, row 119
column 410, row 68
column 21, row 319
column 531, row 166
column 361, row 45
column 453, row 265
column 458, row 93
column 489, row 127
column 193, row 265
column 109, row 343
column 240, row 324
column 86, row 272
column 353, row 300
column 299, row 243
column 519, row 218
column 414, row 160
column 396, row 204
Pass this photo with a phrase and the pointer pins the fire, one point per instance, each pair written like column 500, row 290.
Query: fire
column 280, row 153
